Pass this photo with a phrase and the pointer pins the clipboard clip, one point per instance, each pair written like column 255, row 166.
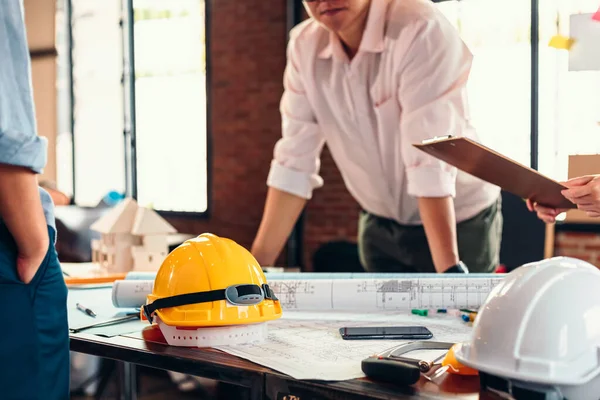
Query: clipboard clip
column 436, row 139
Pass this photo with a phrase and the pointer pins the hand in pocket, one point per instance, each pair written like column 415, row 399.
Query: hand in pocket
column 28, row 265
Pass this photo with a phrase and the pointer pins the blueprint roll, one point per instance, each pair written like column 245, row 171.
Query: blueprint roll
column 401, row 294
column 131, row 293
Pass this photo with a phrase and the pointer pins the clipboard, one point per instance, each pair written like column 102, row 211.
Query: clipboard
column 491, row 166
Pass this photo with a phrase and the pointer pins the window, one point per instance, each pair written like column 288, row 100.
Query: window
column 145, row 137
column 500, row 83
column 91, row 162
column 170, row 67
column 499, row 86
column 569, row 100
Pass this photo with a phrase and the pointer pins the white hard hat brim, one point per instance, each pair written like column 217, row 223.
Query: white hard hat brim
column 463, row 356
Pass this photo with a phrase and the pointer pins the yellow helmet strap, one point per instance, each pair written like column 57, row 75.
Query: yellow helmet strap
column 237, row 295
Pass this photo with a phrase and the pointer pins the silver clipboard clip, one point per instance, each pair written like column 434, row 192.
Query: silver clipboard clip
column 436, row 139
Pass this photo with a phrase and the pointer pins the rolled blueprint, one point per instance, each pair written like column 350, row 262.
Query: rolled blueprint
column 131, row 294
column 353, row 294
column 383, row 294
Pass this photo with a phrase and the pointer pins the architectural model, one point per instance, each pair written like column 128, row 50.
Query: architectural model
column 133, row 238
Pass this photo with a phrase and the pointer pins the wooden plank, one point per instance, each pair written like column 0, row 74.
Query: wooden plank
column 40, row 17
column 549, row 241
column 40, row 20
column 43, row 76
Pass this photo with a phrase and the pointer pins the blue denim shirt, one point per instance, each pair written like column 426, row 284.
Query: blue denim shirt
column 19, row 143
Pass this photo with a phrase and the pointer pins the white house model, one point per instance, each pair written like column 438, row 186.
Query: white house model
column 133, row 238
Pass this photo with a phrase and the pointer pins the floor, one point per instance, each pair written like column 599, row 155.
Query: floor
column 158, row 385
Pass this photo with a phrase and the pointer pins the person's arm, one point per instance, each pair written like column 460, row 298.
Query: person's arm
column 432, row 95
column 294, row 172
column 22, row 152
column 440, row 227
column 280, row 214
column 21, row 211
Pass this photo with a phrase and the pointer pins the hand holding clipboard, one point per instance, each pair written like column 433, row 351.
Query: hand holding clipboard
column 491, row 166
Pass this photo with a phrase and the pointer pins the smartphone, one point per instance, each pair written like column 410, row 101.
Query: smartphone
column 386, row 332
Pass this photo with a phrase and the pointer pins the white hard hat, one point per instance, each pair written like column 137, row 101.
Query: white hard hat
column 538, row 331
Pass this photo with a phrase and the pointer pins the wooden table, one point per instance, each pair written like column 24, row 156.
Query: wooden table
column 148, row 348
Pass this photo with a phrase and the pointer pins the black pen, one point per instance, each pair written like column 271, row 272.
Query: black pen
column 86, row 310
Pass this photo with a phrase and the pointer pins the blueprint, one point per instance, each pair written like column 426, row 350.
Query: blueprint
column 131, row 294
column 383, row 294
column 399, row 294
column 307, row 345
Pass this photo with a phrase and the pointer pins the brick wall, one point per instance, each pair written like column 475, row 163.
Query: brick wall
column 582, row 245
column 248, row 42
column 331, row 214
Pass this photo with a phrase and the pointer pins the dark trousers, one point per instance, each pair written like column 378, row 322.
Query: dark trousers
column 34, row 338
column 386, row 246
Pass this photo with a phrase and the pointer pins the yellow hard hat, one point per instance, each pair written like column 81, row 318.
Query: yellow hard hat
column 211, row 281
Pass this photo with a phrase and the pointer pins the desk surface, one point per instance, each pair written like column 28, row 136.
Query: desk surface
column 149, row 348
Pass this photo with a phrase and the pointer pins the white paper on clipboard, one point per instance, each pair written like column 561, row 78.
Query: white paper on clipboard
column 584, row 55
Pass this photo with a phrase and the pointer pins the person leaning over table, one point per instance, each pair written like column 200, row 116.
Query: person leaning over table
column 34, row 339
column 583, row 191
column 370, row 78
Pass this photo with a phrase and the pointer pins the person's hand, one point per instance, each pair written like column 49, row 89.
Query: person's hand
column 459, row 268
column 585, row 193
column 546, row 214
column 29, row 261
column 23, row 215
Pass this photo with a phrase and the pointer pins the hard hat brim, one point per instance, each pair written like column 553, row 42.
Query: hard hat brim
column 463, row 356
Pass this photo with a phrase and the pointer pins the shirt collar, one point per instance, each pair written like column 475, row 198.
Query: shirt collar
column 373, row 36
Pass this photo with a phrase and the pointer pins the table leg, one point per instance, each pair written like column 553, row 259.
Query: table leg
column 127, row 381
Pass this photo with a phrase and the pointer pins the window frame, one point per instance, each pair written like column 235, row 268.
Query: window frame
column 129, row 93
column 534, row 95
column 293, row 18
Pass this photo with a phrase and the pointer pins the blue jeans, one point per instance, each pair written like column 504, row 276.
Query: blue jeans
column 34, row 337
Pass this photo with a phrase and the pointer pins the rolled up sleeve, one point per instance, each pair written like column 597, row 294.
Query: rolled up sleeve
column 19, row 143
column 296, row 156
column 433, row 98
